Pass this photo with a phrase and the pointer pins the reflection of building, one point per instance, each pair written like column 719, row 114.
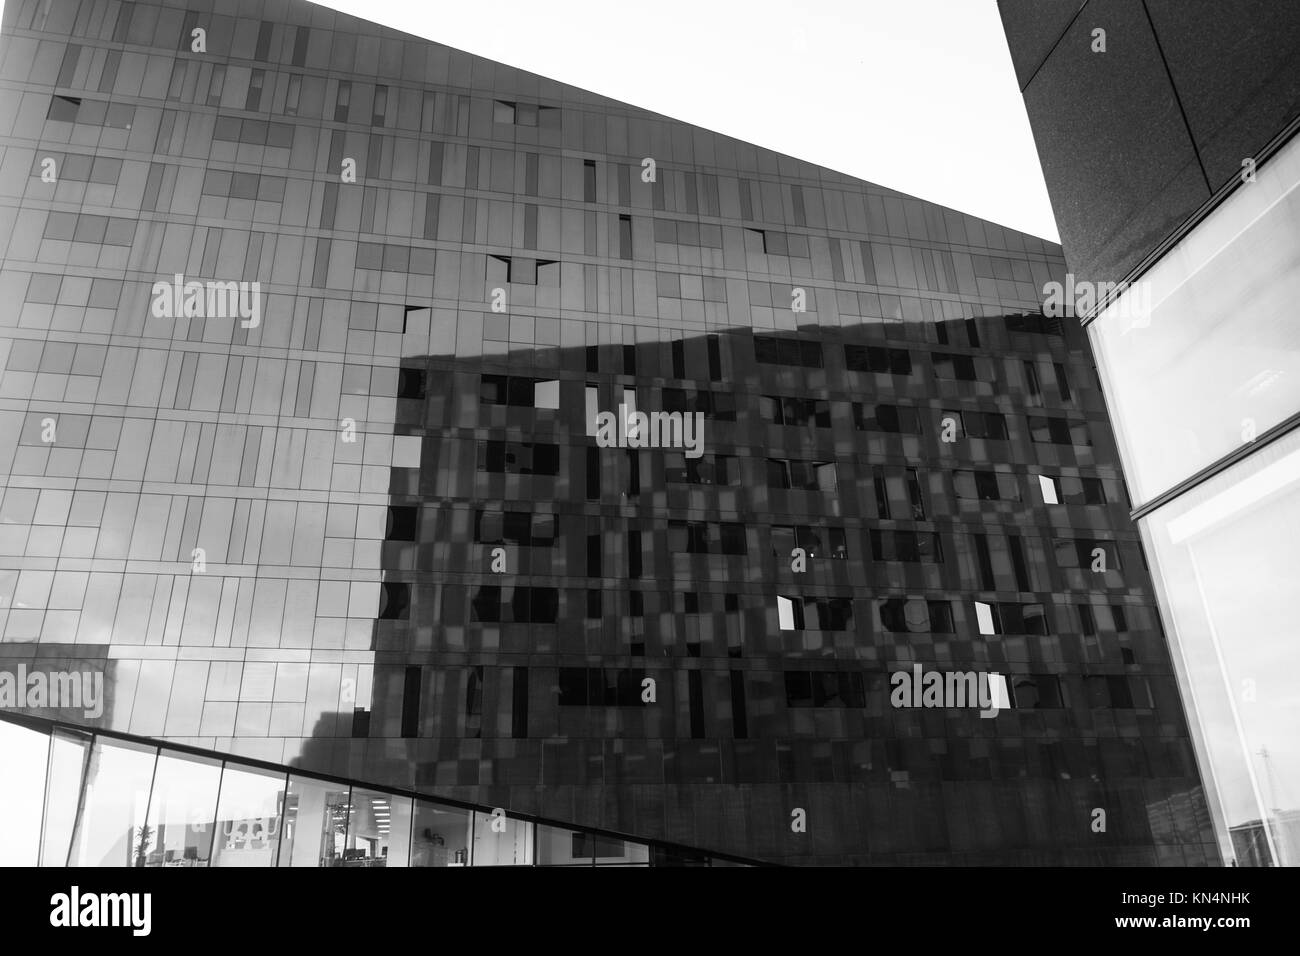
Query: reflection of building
column 372, row 535
column 1167, row 136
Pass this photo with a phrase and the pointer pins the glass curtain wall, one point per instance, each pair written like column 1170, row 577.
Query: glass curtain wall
column 1201, row 362
column 100, row 800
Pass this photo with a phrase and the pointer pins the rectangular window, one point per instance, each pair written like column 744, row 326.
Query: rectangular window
column 1037, row 324
column 1009, row 618
column 253, row 101
column 492, row 604
column 1036, row 691
column 342, row 101
column 1031, row 383
column 1062, row 382
column 705, row 470
column 784, row 410
column 814, row 614
column 1072, row 490
column 915, row 616
column 986, row 485
column 915, row 547
column 519, row 703
column 715, row 405
column 527, row 529
column 896, row 419
column 64, row 109
column 706, row 537
column 411, row 703
column 519, row 458
column 791, row 474
column 816, row 542
column 959, row 367
column 791, row 352
column 914, row 493
column 1045, row 429
column 874, row 358
column 588, row 180
column 824, row 689
column 975, row 424
column 600, row 687
column 1086, row 553
column 625, row 240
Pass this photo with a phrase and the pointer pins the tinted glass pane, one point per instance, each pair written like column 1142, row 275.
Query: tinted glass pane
column 22, row 792
column 110, row 825
column 248, row 817
column 182, row 811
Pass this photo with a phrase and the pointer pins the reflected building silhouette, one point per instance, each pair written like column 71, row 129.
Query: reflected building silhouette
column 375, row 535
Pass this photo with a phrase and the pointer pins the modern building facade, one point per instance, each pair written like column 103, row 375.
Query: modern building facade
column 1167, row 136
column 565, row 459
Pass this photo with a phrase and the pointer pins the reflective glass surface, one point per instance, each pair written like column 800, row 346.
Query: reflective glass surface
column 182, row 811
column 22, row 792
column 110, row 828
column 1203, row 353
column 378, row 411
column 1232, row 625
column 325, row 822
column 249, row 817
column 63, row 788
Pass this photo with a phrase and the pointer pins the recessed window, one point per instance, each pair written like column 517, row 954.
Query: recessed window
column 960, row 367
column 600, row 687
column 915, row 616
column 1010, row 618
column 824, row 689
column 705, row 470
column 411, row 383
column 791, row 474
column 402, row 521
column 625, row 242
column 706, row 537
column 985, row 485
column 915, row 547
column 792, row 352
column 519, row 458
column 1045, row 429
column 785, row 410
column 1072, row 490
column 814, row 614
column 895, row 419
column 394, row 601
column 874, row 358
column 519, row 392
column 515, row 605
column 64, row 109
column 816, row 542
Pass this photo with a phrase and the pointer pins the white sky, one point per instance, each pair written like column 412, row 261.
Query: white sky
column 916, row 95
